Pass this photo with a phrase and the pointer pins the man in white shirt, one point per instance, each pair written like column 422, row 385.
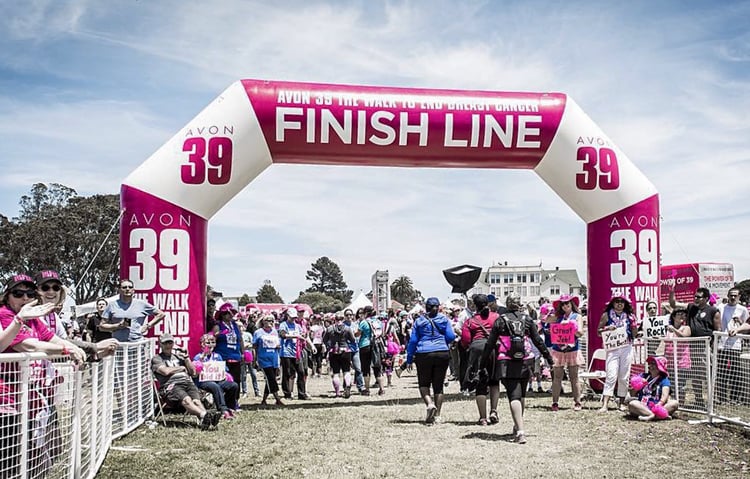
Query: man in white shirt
column 729, row 380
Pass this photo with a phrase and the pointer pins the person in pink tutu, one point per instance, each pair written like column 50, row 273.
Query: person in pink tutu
column 651, row 391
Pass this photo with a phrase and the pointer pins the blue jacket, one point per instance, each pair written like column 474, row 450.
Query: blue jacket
column 428, row 339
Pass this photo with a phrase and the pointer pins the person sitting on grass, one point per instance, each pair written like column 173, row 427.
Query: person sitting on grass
column 652, row 390
column 214, row 379
column 174, row 370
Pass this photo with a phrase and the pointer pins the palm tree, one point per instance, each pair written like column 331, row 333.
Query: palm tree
column 402, row 290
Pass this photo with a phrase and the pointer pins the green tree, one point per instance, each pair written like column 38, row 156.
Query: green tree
column 268, row 294
column 320, row 302
column 744, row 287
column 244, row 299
column 76, row 236
column 327, row 278
column 402, row 290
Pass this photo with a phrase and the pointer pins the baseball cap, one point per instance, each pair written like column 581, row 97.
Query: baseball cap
column 291, row 312
column 432, row 302
column 17, row 279
column 165, row 338
column 491, row 298
column 47, row 275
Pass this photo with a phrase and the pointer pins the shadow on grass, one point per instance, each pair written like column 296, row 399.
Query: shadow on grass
column 487, row 436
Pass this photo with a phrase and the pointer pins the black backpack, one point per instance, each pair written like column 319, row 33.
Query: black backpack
column 516, row 326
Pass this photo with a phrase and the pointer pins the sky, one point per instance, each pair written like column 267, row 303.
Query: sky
column 89, row 90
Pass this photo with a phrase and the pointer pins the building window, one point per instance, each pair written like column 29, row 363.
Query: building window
column 535, row 277
column 521, row 278
column 495, row 291
column 494, row 278
column 554, row 290
column 533, row 290
column 508, row 278
column 522, row 290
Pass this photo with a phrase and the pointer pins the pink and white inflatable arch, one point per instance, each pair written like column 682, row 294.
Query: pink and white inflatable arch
column 169, row 199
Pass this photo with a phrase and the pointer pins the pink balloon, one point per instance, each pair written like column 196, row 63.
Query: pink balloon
column 637, row 382
column 659, row 411
column 198, row 366
column 248, row 356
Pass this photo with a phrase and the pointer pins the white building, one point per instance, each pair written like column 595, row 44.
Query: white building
column 531, row 282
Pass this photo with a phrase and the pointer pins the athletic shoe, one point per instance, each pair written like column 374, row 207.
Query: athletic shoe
column 215, row 417
column 398, row 371
column 347, row 392
column 206, row 421
column 493, row 417
column 365, row 392
column 555, row 407
column 431, row 411
column 279, row 403
column 227, row 416
column 520, row 437
column 482, row 422
column 577, row 407
column 540, row 390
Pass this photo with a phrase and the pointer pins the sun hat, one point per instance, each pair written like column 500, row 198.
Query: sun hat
column 545, row 310
column 618, row 296
column 660, row 362
column 564, row 298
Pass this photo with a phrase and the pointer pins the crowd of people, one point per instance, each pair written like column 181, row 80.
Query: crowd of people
column 481, row 345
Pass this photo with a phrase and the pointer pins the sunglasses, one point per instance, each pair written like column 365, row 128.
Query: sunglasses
column 126, row 287
column 54, row 287
column 20, row 293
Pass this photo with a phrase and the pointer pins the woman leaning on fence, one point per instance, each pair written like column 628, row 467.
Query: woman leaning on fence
column 23, row 331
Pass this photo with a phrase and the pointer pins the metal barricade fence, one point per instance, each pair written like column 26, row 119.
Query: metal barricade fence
column 57, row 420
column 731, row 377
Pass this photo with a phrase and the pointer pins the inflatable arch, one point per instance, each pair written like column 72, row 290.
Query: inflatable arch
column 169, row 199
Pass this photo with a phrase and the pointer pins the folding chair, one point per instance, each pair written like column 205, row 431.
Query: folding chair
column 165, row 406
column 586, row 377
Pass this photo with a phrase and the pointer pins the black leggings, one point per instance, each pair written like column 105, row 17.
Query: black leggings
column 271, row 385
column 515, row 388
column 431, row 368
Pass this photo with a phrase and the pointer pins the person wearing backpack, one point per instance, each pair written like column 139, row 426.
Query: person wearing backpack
column 508, row 351
column 474, row 334
column 428, row 349
column 337, row 338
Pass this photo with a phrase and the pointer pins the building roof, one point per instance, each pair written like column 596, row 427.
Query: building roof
column 569, row 276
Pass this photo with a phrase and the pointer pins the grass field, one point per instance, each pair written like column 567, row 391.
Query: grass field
column 385, row 437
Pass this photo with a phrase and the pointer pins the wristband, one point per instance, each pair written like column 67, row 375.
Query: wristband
column 65, row 351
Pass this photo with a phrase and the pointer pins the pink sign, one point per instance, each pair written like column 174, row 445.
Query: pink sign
column 563, row 334
column 683, row 278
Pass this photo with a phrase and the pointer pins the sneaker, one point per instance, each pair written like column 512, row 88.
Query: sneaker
column 555, row 407
column 227, row 416
column 381, row 392
column 304, row 396
column 398, row 372
column 215, row 417
column 577, row 407
column 465, row 393
column 482, row 422
column 347, row 392
column 520, row 437
column 539, row 389
column 206, row 421
column 279, row 403
column 431, row 411
column 493, row 417
column 365, row 392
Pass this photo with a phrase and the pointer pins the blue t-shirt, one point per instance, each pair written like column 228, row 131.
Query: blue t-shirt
column 137, row 311
column 426, row 338
column 365, row 337
column 651, row 392
column 353, row 346
column 289, row 345
column 228, row 341
column 268, row 344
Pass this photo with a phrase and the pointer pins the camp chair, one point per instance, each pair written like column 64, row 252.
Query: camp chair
column 591, row 375
column 165, row 406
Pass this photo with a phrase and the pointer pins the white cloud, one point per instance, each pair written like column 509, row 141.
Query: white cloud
column 668, row 84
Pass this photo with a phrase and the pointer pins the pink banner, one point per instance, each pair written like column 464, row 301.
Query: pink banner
column 623, row 259
column 683, row 278
column 163, row 253
column 361, row 125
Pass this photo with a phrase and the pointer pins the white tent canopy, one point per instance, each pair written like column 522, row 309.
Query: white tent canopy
column 360, row 301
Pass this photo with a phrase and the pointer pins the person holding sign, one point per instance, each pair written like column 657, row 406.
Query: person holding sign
column 562, row 330
column 212, row 377
column 652, row 392
column 617, row 327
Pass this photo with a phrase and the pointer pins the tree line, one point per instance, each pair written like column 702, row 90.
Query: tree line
column 79, row 237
